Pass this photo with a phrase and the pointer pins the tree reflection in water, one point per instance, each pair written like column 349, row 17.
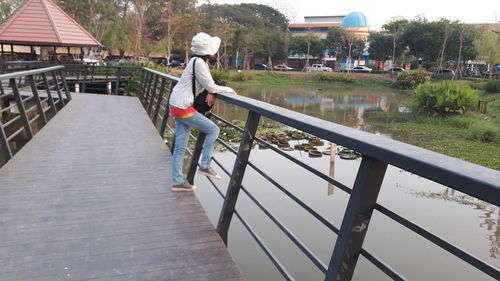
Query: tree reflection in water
column 490, row 213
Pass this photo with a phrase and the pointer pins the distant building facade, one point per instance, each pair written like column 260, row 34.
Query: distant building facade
column 318, row 25
column 355, row 22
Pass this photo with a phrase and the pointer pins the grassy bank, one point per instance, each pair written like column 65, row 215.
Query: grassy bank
column 474, row 137
column 265, row 78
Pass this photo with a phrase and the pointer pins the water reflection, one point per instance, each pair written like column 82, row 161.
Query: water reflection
column 346, row 106
column 490, row 215
column 449, row 214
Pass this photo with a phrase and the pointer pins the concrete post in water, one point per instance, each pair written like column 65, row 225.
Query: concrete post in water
column 77, row 87
column 108, row 88
column 333, row 150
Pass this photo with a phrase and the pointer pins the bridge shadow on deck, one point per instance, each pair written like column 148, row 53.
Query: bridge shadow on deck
column 89, row 198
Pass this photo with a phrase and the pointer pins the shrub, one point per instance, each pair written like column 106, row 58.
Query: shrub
column 444, row 98
column 411, row 79
column 220, row 77
column 242, row 76
column 493, row 86
column 332, row 77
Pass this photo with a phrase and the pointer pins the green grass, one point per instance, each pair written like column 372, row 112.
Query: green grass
column 299, row 78
column 446, row 140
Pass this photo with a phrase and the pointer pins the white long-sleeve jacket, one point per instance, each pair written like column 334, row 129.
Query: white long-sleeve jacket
column 182, row 94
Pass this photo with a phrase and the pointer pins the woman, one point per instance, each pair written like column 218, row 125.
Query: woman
column 186, row 117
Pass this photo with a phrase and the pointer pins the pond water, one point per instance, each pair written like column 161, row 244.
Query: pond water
column 466, row 222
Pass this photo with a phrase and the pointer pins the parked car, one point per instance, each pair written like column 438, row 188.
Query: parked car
column 361, row 69
column 261, row 66
column 282, row 67
column 394, row 69
column 318, row 68
column 445, row 71
column 90, row 60
column 116, row 61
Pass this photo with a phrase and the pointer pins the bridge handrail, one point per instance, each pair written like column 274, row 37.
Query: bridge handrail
column 31, row 106
column 469, row 178
column 24, row 73
column 377, row 151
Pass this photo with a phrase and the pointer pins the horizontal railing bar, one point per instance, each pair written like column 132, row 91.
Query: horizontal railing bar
column 296, row 199
column 266, row 249
column 15, row 134
column 8, row 108
column 27, row 99
column 307, row 167
column 34, row 118
column 301, row 164
column 287, row 232
column 31, row 108
column 446, row 170
column 28, row 72
column 11, row 121
column 477, row 263
column 162, row 75
column 382, row 266
column 228, row 123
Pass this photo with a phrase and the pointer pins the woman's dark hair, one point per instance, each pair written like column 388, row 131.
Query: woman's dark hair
column 204, row 58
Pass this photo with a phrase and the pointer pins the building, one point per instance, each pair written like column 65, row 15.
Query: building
column 355, row 22
column 318, row 25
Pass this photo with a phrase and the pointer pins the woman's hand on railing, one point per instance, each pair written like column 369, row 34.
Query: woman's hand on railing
column 227, row 90
column 210, row 100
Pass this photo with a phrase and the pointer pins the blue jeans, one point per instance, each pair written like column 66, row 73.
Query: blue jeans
column 182, row 130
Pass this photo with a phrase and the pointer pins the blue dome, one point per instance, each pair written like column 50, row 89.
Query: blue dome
column 355, row 19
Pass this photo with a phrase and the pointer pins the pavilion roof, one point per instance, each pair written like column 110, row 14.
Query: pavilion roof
column 43, row 23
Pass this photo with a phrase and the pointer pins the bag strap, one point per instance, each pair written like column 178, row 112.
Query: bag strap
column 194, row 78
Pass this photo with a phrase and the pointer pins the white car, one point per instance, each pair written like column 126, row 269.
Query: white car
column 319, row 68
column 282, row 67
column 361, row 69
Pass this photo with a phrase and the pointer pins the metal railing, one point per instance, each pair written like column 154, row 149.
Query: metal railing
column 86, row 78
column 377, row 153
column 38, row 95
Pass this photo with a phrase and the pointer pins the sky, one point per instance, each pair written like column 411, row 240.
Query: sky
column 380, row 12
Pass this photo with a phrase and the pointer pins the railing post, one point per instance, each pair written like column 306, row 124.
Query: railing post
column 149, row 88
column 4, row 143
column 49, row 95
column 153, row 95
column 195, row 157
column 84, row 85
column 166, row 114
column 65, row 85
column 356, row 219
column 144, row 78
column 160, row 99
column 237, row 174
column 117, row 85
column 37, row 99
column 58, row 89
column 22, row 109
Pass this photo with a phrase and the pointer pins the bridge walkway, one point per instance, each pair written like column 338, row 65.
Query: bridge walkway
column 88, row 198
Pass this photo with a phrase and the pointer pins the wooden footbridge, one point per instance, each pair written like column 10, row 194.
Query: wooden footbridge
column 88, row 196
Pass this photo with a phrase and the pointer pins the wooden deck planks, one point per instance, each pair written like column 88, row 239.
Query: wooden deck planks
column 89, row 199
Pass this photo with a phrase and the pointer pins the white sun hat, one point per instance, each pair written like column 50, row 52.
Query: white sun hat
column 204, row 44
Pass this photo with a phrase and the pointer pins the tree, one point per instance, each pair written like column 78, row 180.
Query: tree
column 335, row 41
column 421, row 36
column 380, row 45
column 7, row 7
column 396, row 29
column 487, row 47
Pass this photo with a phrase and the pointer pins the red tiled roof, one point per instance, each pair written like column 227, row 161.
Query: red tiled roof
column 43, row 23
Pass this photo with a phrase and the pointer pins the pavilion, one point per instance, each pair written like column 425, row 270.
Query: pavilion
column 41, row 30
